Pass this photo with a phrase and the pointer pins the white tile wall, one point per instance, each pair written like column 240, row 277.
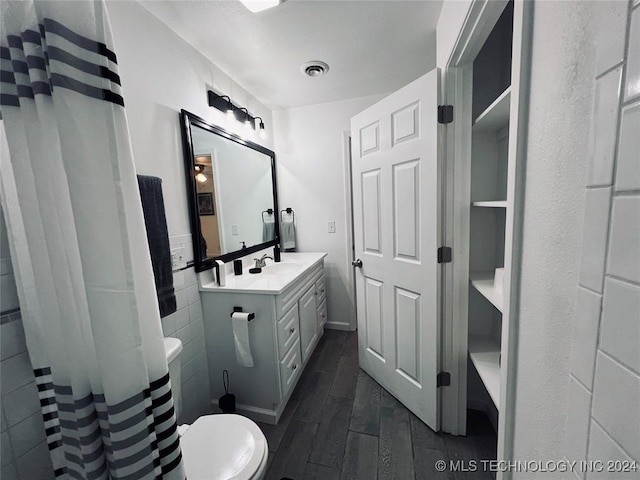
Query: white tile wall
column 628, row 170
column 611, row 333
column 583, row 357
column 632, row 87
column 605, row 126
column 620, row 328
column 186, row 323
column 616, row 402
column 624, row 243
column 24, row 453
column 611, row 37
column 594, row 240
column 577, row 423
column 603, row 448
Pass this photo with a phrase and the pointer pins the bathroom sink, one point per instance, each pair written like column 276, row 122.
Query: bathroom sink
column 280, row 268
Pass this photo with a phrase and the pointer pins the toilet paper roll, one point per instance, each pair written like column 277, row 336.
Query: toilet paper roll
column 240, row 325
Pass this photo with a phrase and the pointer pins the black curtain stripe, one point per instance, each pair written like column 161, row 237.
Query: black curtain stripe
column 69, row 83
column 54, row 445
column 9, row 100
column 148, row 468
column 172, row 465
column 36, row 62
column 25, row 91
column 160, row 401
column 62, row 389
column 130, row 402
column 50, row 416
column 45, row 386
column 133, row 439
column 146, row 452
column 31, row 36
column 5, row 54
column 164, row 417
column 57, row 28
column 20, row 67
column 131, row 421
column 7, row 76
column 63, row 56
column 41, row 372
column 60, row 472
column 165, row 434
column 14, row 41
column 156, row 384
column 98, row 472
column 165, row 452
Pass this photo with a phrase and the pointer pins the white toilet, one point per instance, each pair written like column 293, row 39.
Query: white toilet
column 217, row 446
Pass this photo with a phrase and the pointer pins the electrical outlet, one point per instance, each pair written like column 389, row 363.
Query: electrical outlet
column 178, row 259
column 332, row 226
column 234, row 229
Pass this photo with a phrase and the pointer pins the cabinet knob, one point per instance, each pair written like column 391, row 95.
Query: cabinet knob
column 295, row 365
column 292, row 330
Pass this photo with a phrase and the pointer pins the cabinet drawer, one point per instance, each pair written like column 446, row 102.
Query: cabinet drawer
column 288, row 331
column 292, row 294
column 320, row 289
column 290, row 368
column 322, row 315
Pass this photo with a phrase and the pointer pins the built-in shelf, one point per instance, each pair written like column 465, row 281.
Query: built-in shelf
column 496, row 116
column 485, row 356
column 492, row 204
column 483, row 283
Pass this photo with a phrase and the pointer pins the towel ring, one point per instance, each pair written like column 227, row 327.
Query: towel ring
column 290, row 211
column 268, row 211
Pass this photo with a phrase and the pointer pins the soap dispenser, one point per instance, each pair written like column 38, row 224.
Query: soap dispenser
column 276, row 253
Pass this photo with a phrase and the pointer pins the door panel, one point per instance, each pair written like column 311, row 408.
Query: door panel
column 395, row 173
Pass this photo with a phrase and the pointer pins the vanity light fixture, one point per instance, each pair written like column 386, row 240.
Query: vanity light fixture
column 261, row 131
column 259, row 5
column 224, row 104
column 245, row 117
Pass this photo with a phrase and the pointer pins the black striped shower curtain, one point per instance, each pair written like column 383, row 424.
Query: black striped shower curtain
column 79, row 248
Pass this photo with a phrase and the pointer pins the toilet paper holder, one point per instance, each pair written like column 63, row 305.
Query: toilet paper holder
column 239, row 309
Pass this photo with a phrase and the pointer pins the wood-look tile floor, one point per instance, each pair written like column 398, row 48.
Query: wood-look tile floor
column 340, row 424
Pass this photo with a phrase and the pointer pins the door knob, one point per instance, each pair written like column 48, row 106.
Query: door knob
column 357, row 263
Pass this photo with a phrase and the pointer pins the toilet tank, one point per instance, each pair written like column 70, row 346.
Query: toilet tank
column 173, row 347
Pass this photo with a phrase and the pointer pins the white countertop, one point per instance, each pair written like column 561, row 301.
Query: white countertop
column 271, row 281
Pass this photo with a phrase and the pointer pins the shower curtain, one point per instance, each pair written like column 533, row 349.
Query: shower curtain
column 79, row 248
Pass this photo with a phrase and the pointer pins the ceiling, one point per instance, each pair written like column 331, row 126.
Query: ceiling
column 371, row 46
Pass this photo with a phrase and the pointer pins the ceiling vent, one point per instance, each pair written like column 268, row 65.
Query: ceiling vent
column 314, row 68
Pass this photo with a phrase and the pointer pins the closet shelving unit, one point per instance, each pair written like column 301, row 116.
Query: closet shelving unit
column 489, row 203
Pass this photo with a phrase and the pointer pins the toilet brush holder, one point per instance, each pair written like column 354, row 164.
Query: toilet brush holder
column 227, row 402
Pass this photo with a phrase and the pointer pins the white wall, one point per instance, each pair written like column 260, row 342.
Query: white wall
column 604, row 386
column 561, row 95
column 161, row 74
column 312, row 177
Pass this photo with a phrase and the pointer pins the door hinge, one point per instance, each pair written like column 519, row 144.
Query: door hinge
column 444, row 255
column 443, row 379
column 445, row 114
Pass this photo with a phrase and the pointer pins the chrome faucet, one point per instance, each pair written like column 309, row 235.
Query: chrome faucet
column 260, row 262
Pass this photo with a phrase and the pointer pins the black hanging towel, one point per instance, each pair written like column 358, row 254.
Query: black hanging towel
column 158, row 238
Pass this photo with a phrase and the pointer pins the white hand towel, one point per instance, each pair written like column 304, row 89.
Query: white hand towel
column 240, row 322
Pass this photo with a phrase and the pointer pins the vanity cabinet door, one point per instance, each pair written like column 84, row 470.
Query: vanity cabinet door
column 308, row 322
column 322, row 315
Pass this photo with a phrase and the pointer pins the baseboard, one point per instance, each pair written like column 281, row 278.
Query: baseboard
column 254, row 413
column 338, row 326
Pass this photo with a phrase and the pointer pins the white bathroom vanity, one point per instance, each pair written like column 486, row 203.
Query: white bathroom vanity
column 289, row 302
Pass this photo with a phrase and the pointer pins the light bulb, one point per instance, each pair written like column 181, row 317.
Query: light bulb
column 201, row 177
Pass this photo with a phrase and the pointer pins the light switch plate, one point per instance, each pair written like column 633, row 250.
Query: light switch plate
column 178, row 258
column 331, row 226
column 234, row 229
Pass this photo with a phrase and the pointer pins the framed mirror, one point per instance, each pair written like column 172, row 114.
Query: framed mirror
column 231, row 183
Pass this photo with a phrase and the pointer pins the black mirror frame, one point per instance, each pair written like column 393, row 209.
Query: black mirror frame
column 186, row 120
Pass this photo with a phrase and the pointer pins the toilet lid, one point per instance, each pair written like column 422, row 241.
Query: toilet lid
column 222, row 447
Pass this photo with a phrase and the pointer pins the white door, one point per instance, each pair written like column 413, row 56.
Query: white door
column 396, row 226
